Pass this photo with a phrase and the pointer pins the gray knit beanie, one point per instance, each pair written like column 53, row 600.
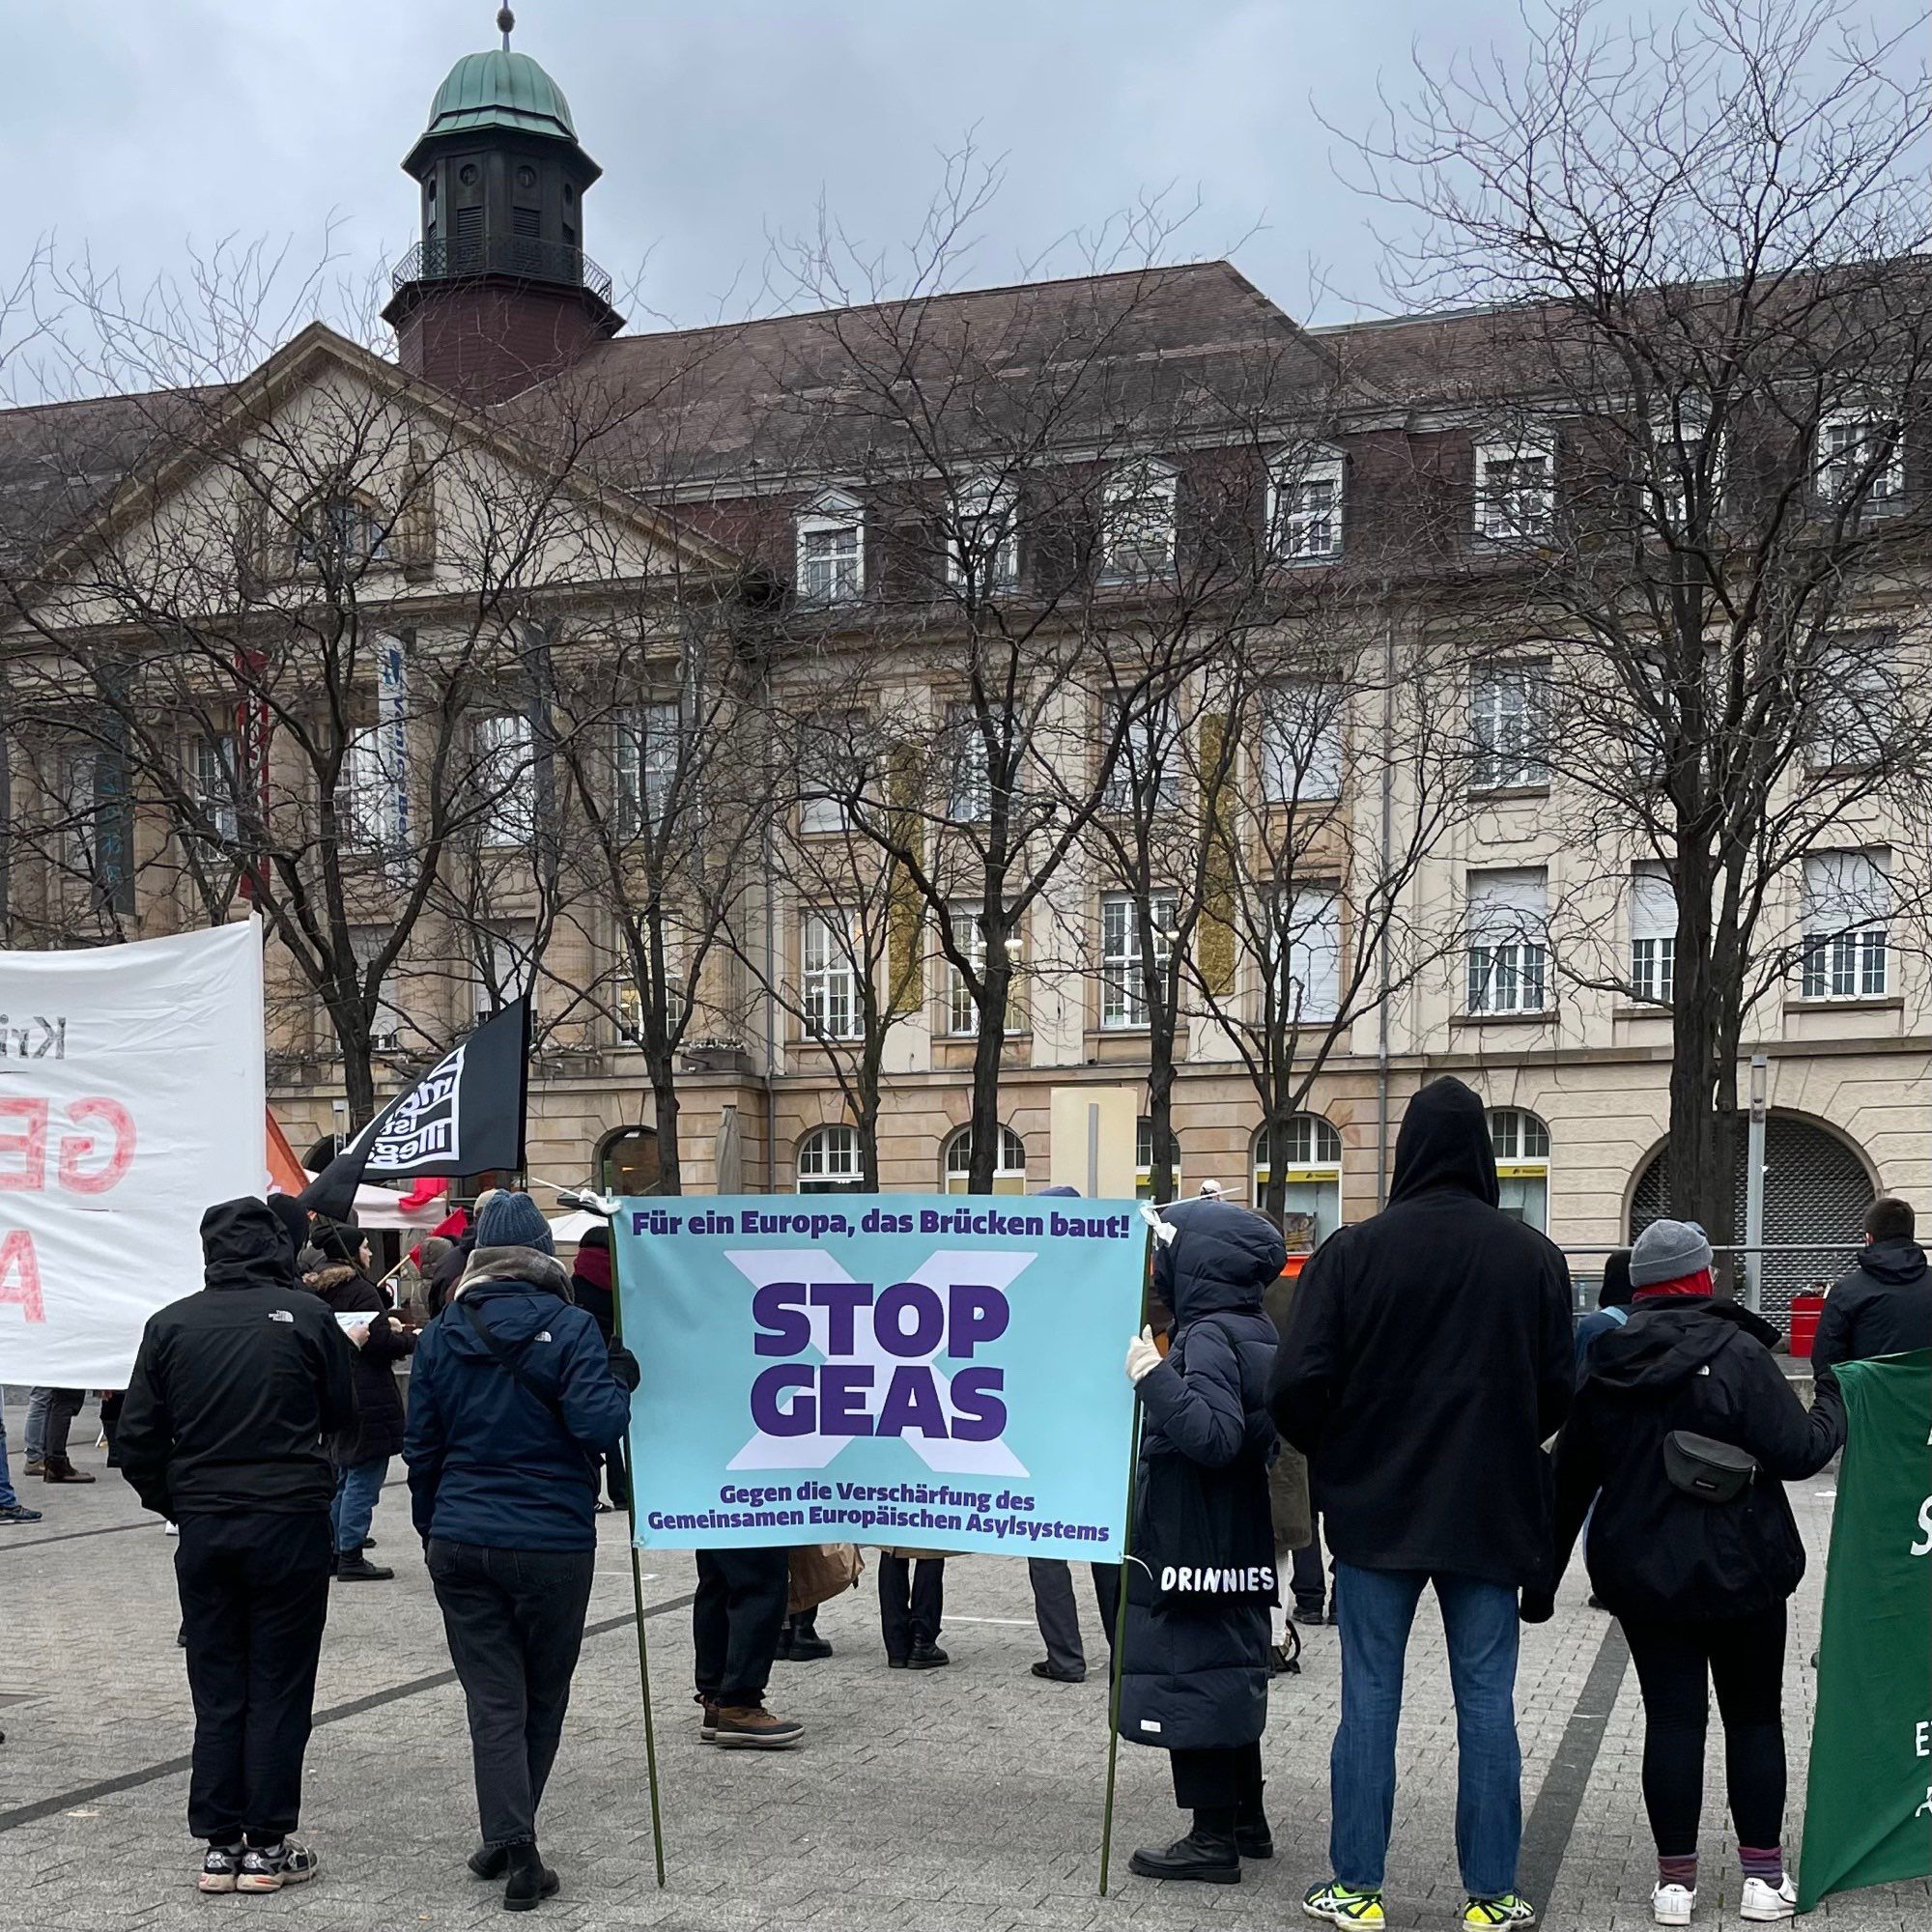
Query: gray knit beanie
column 1668, row 1251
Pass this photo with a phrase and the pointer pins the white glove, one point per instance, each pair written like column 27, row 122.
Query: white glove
column 1142, row 1355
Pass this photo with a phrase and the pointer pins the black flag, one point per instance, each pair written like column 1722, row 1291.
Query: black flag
column 466, row 1113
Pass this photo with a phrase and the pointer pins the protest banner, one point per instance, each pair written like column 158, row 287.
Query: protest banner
column 889, row 1369
column 1868, row 1798
column 131, row 1097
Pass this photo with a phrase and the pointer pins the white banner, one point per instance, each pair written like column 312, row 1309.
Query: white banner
column 131, row 1098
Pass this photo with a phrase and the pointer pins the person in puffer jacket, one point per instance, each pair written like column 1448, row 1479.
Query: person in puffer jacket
column 515, row 1401
column 1195, row 1666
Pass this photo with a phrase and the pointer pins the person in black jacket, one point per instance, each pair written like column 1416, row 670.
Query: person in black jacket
column 515, row 1397
column 1426, row 1360
column 448, row 1271
column 1700, row 1587
column 593, row 1288
column 231, row 1396
column 362, row 1453
column 1200, row 1569
column 1884, row 1307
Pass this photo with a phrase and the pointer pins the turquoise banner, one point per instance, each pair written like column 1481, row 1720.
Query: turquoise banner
column 929, row 1371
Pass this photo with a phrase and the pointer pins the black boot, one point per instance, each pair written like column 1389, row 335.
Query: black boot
column 1252, row 1837
column 531, row 1880
column 802, row 1642
column 1206, row 1855
column 352, row 1567
column 490, row 1861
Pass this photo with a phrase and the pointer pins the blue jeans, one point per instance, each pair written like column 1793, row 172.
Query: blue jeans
column 357, row 1485
column 34, row 1439
column 1376, row 1609
column 7, row 1499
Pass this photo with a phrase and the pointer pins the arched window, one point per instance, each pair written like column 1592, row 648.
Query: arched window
column 1008, row 1177
column 1312, row 1182
column 1521, row 1143
column 342, row 528
column 828, row 1161
column 1144, row 1159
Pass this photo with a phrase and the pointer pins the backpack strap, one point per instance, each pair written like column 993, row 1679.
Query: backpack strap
column 510, row 1360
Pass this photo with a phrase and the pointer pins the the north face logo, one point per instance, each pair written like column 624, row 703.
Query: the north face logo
column 281, row 1315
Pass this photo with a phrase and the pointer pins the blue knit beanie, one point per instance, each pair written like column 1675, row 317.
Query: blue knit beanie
column 513, row 1221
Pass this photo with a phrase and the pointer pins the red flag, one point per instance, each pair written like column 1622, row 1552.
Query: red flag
column 426, row 1189
column 285, row 1172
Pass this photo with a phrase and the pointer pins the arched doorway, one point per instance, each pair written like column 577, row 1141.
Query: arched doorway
column 626, row 1161
column 1816, row 1189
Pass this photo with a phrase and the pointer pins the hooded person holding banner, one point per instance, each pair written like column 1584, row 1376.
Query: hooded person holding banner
column 1200, row 1569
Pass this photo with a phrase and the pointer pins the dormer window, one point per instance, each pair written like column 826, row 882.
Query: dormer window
column 1516, row 487
column 1861, row 460
column 1137, row 520
column 340, row 529
column 832, row 549
column 982, row 538
column 1306, row 503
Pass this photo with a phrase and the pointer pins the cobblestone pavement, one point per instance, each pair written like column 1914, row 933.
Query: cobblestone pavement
column 960, row 1801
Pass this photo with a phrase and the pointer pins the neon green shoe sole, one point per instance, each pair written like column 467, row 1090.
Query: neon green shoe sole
column 1336, row 1905
column 1484, row 1914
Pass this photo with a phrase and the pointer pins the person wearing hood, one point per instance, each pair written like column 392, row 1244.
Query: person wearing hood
column 515, row 1397
column 1884, row 1307
column 448, row 1270
column 362, row 1453
column 1200, row 1567
column 1695, row 1554
column 1427, row 1359
column 1612, row 1312
column 593, row 1288
column 231, row 1395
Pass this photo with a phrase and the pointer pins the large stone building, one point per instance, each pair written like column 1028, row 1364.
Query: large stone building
column 1149, row 457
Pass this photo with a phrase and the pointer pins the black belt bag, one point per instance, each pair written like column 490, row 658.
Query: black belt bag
column 1701, row 1466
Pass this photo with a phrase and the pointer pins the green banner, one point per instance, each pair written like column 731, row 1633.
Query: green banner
column 1869, row 1800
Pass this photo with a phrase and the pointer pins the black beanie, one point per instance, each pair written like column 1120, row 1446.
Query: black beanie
column 1615, row 1291
column 597, row 1236
column 338, row 1240
column 294, row 1217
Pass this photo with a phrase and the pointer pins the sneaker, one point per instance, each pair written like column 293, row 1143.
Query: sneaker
column 707, row 1722
column 1343, row 1905
column 752, row 1727
column 19, row 1513
column 1480, row 1914
column 1764, row 1903
column 352, row 1567
column 270, row 1867
column 220, row 1867
column 36, row 1466
column 1672, row 1904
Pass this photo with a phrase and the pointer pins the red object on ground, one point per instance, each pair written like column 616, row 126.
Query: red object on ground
column 1805, row 1310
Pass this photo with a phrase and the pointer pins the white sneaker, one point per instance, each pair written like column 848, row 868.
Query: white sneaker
column 1672, row 1904
column 1763, row 1902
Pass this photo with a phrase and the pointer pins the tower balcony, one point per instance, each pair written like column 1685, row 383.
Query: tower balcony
column 455, row 259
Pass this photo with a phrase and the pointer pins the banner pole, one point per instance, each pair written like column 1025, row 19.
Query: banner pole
column 637, row 1593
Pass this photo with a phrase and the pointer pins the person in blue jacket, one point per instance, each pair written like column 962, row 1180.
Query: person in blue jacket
column 515, row 1400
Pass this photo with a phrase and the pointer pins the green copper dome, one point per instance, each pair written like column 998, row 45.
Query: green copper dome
column 499, row 88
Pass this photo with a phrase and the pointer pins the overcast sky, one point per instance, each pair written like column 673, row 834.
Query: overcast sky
column 134, row 127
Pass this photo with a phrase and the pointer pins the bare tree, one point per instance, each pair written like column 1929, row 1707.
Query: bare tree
column 1698, row 395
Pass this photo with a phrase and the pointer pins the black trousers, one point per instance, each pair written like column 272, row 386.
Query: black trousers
column 736, row 1616
column 515, row 1623
column 1310, row 1574
column 912, row 1601
column 62, row 1409
column 1676, row 1666
column 1058, row 1614
column 254, row 1596
column 1228, row 1781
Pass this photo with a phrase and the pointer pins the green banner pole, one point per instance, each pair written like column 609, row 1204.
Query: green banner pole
column 638, row 1595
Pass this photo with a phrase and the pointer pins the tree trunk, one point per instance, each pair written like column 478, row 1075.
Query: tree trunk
column 1160, row 1111
column 664, row 1093
column 988, row 1049
column 1274, row 1196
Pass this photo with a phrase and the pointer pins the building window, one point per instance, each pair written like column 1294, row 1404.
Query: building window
column 982, row 536
column 1521, row 1146
column 831, row 770
column 829, row 980
column 505, row 776
column 968, row 752
column 342, row 529
column 1311, row 924
column 831, row 549
column 1301, row 741
column 1144, row 1159
column 1653, row 932
column 1305, row 504
column 628, row 999
column 1146, row 753
column 1679, row 432
column 1847, row 914
column 214, row 777
column 1860, row 460
column 1008, row 1177
column 80, row 808
column 828, row 1161
column 365, row 945
column 648, row 749
column 969, row 938
column 502, row 960
column 1124, row 1001
column 1508, row 943
column 1311, row 1179
column 1509, row 712
column 1854, row 703
column 1137, row 520
column 368, row 794
column 1516, row 489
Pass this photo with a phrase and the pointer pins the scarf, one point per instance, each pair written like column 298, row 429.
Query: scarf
column 1685, row 1285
